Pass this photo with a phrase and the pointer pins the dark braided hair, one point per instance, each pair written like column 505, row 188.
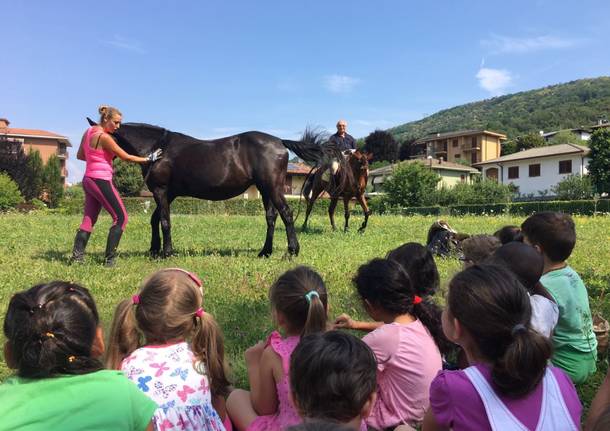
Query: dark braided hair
column 50, row 330
column 385, row 283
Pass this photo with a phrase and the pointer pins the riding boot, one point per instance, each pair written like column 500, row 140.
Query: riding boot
column 114, row 237
column 80, row 242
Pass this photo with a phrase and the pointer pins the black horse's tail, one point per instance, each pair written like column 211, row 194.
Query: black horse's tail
column 310, row 148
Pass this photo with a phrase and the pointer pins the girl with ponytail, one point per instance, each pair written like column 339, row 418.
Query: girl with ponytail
column 164, row 341
column 299, row 305
column 54, row 341
column 406, row 344
column 508, row 385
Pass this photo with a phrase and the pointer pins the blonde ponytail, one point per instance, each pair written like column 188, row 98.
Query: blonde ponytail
column 125, row 337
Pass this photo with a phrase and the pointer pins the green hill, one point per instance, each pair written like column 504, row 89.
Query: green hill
column 574, row 104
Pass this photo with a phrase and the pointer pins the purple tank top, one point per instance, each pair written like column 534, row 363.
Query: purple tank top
column 99, row 161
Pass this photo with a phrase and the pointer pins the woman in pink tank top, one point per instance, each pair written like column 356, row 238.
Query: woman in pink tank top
column 98, row 149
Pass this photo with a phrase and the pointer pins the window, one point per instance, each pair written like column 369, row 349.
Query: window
column 565, row 167
column 455, row 143
column 535, row 170
column 513, row 172
column 445, row 146
column 473, row 142
column 462, row 178
column 457, row 156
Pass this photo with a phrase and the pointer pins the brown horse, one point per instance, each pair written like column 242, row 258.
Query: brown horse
column 349, row 182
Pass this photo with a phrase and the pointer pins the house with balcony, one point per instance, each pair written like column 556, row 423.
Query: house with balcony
column 464, row 146
column 536, row 170
column 47, row 143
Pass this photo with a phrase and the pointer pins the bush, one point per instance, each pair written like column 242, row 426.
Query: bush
column 573, row 187
column 599, row 166
column 32, row 185
column 9, row 193
column 477, row 193
column 127, row 178
column 411, row 184
column 53, row 184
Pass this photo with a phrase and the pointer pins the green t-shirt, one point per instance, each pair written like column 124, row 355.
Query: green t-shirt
column 103, row 400
column 575, row 326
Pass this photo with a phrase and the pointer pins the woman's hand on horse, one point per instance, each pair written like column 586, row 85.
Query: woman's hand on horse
column 155, row 155
column 344, row 321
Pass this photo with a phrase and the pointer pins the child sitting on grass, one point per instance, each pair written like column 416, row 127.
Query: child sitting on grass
column 553, row 235
column 406, row 345
column 165, row 342
column 299, row 305
column 508, row 385
column 332, row 379
column 54, row 340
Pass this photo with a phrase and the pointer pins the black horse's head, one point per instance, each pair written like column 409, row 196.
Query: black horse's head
column 138, row 138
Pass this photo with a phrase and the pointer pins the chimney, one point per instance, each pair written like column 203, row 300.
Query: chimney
column 4, row 122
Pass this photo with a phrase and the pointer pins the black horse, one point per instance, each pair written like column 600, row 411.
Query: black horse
column 216, row 169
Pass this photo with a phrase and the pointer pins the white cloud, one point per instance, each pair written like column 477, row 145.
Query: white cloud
column 125, row 44
column 520, row 45
column 494, row 80
column 340, row 83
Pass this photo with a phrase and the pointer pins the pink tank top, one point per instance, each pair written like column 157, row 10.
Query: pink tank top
column 99, row 161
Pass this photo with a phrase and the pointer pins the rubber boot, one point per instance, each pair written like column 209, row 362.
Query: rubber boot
column 114, row 237
column 80, row 243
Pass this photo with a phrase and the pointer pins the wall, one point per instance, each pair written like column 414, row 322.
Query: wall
column 549, row 172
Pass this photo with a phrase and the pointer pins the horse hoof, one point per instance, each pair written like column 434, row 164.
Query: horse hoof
column 264, row 253
column 155, row 253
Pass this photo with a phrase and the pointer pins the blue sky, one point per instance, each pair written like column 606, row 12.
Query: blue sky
column 212, row 68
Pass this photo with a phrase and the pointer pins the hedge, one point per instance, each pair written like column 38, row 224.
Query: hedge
column 238, row 206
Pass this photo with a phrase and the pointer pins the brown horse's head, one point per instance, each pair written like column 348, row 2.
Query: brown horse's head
column 359, row 163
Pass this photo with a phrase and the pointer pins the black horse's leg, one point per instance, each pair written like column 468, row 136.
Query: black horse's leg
column 346, row 209
column 331, row 211
column 163, row 202
column 314, row 193
column 271, row 217
column 366, row 210
column 155, row 241
column 279, row 201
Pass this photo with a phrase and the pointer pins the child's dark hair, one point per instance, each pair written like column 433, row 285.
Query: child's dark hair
column 50, row 329
column 508, row 234
column 553, row 231
column 419, row 264
column 490, row 302
column 525, row 262
column 300, row 295
column 386, row 284
column 332, row 376
column 167, row 309
column 477, row 248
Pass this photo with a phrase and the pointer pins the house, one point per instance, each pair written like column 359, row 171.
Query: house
column 47, row 143
column 450, row 173
column 582, row 133
column 471, row 146
column 538, row 169
column 295, row 178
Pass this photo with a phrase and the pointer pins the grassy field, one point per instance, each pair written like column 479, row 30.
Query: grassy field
column 223, row 249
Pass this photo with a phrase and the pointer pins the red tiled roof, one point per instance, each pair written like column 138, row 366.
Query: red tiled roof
column 30, row 132
column 298, row 168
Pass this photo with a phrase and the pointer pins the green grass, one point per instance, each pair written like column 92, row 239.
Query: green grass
column 223, row 249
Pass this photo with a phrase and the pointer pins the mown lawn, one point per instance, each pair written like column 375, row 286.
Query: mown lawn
column 223, row 249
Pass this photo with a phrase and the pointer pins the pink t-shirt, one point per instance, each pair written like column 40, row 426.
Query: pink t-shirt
column 457, row 405
column 99, row 161
column 407, row 362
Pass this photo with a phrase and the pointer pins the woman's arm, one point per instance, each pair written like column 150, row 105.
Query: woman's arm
column 110, row 145
column 263, row 391
column 80, row 155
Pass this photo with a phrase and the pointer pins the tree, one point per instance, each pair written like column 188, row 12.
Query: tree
column 32, row 185
column 566, row 137
column 13, row 160
column 53, row 184
column 531, row 140
column 599, row 166
column 9, row 192
column 382, row 145
column 573, row 187
column 127, row 178
column 406, row 151
column 411, row 184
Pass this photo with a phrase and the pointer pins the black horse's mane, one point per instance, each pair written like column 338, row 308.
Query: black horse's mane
column 146, row 126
